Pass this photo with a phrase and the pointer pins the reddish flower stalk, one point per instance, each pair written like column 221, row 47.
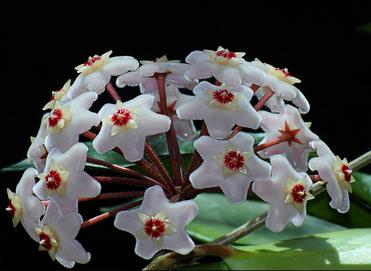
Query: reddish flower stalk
column 172, row 142
column 115, row 195
column 122, row 180
column 112, row 91
column 109, row 214
column 274, row 141
column 254, row 87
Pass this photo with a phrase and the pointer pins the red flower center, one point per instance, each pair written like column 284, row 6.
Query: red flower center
column 347, row 172
column 11, row 209
column 45, row 241
column 53, row 180
column 298, row 193
column 223, row 96
column 234, row 160
column 226, row 54
column 92, row 60
column 121, row 117
column 154, row 227
column 284, row 71
column 55, row 117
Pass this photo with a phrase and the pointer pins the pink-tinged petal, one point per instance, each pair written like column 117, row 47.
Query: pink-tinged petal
column 119, row 65
column 66, row 263
column 73, row 251
column 180, row 242
column 180, row 81
column 181, row 213
column 154, row 200
column 77, row 88
column 128, row 221
column 197, row 57
column 278, row 219
column 145, row 248
column 251, row 74
column 298, row 220
column 52, row 213
column 148, row 85
column 301, row 102
column 88, row 187
column 96, row 81
column 236, row 190
column 264, row 189
column 131, row 79
column 39, row 190
column 200, row 71
column 68, row 226
column 204, row 176
column 346, row 202
column 228, row 75
column 208, row 147
column 284, row 90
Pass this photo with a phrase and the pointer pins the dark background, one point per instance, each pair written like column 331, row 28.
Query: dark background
column 41, row 45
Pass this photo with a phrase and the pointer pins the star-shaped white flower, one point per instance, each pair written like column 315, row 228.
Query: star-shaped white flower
column 23, row 205
column 126, row 126
column 66, row 122
column 64, row 179
column 226, row 66
column 287, row 193
column 221, row 107
column 231, row 164
column 143, row 76
column 96, row 72
column 281, row 83
column 335, row 172
column 158, row 224
column 59, row 96
column 288, row 121
column 57, row 235
column 36, row 152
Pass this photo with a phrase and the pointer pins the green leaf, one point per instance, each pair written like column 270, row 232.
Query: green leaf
column 160, row 145
column 206, row 266
column 218, row 217
column 366, row 28
column 346, row 249
column 20, row 166
column 362, row 187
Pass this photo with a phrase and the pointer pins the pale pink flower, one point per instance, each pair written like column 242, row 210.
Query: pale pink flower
column 37, row 151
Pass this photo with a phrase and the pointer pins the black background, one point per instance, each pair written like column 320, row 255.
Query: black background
column 41, row 45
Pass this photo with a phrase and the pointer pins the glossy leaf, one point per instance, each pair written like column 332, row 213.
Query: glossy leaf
column 217, row 217
column 346, row 249
column 362, row 187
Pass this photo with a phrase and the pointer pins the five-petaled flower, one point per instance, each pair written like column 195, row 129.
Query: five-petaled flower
column 37, row 151
column 64, row 179
column 288, row 123
column 126, row 126
column 66, row 122
column 231, row 164
column 58, row 96
column 336, row 173
column 281, row 82
column 221, row 107
column 56, row 235
column 158, row 224
column 23, row 206
column 287, row 192
column 226, row 66
column 96, row 72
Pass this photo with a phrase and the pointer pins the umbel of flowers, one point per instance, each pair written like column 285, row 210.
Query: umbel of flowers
column 226, row 159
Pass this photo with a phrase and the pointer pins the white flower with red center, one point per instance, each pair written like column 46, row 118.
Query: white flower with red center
column 158, row 224
column 221, row 107
column 335, row 172
column 287, row 192
column 66, row 122
column 290, row 124
column 143, row 76
column 231, row 164
column 126, row 126
column 96, row 72
column 281, row 83
column 23, row 206
column 226, row 66
column 58, row 96
column 37, row 152
column 57, row 234
column 64, row 179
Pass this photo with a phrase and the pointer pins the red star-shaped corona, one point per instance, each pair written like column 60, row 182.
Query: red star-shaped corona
column 291, row 134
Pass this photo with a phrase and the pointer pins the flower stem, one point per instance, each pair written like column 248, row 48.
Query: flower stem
column 109, row 214
column 172, row 142
column 112, row 91
column 115, row 195
column 274, row 141
column 361, row 161
column 122, row 180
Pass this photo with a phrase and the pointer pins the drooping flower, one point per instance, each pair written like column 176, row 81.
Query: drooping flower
column 66, row 122
column 335, row 172
column 226, row 66
column 96, row 72
column 23, row 206
column 126, row 126
column 59, row 96
column 57, row 235
column 287, row 192
column 221, row 107
column 64, row 179
column 158, row 224
column 288, row 122
column 281, row 82
column 230, row 164
column 37, row 152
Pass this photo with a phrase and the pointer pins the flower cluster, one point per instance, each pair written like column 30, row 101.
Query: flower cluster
column 225, row 157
